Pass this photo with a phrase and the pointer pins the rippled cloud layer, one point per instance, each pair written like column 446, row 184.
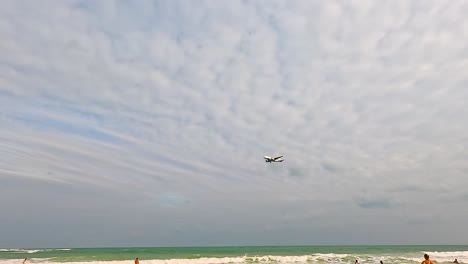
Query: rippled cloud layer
column 130, row 123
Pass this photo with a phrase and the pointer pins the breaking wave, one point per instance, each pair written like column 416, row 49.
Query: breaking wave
column 31, row 251
column 319, row 258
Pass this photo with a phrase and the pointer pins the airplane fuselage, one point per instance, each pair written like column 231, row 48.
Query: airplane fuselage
column 273, row 159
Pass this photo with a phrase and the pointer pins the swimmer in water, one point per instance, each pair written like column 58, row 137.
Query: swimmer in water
column 427, row 260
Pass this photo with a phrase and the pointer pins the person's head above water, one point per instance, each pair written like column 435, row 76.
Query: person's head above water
column 426, row 256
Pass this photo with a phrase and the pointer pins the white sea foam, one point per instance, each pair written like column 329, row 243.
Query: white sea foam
column 314, row 258
column 414, row 258
column 444, row 256
column 19, row 250
column 450, row 254
column 30, row 251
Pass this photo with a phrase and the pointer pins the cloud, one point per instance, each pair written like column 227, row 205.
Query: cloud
column 418, row 222
column 172, row 199
column 330, row 167
column 173, row 104
column 296, row 172
column 374, row 203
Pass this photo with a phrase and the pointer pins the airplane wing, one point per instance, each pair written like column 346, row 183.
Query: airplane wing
column 279, row 157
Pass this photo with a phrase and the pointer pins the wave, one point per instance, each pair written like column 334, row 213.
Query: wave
column 444, row 256
column 314, row 258
column 30, row 251
column 18, row 250
column 228, row 260
column 197, row 259
column 391, row 258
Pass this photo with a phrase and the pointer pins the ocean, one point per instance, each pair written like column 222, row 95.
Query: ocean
column 243, row 255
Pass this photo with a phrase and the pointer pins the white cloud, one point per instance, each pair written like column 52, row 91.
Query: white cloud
column 366, row 100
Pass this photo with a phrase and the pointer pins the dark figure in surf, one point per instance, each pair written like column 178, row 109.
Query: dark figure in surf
column 427, row 260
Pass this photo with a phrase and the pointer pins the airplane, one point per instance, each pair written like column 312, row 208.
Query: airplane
column 274, row 159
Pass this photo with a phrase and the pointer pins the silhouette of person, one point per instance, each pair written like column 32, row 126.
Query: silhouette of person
column 427, row 260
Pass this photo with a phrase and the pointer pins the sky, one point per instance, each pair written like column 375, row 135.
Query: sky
column 145, row 123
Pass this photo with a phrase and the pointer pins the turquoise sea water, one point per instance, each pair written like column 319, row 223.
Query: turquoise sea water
column 221, row 255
